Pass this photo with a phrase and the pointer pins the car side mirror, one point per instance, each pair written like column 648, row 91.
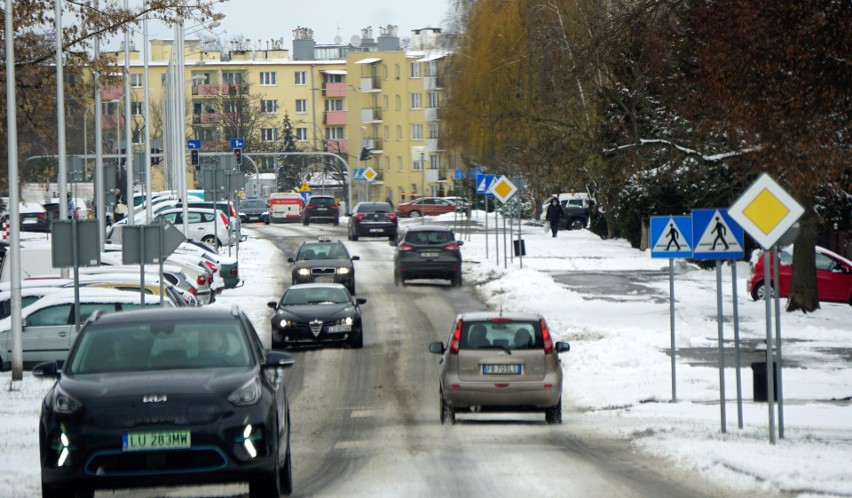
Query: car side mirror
column 361, row 300
column 355, row 258
column 436, row 347
column 290, row 260
column 562, row 347
column 460, row 242
column 48, row 369
column 272, row 304
column 279, row 359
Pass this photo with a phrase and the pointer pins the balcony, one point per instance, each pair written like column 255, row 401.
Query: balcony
column 375, row 144
column 219, row 90
column 338, row 146
column 334, row 89
column 432, row 114
column 335, row 118
column 371, row 115
column 433, row 82
column 207, row 118
column 434, row 144
column 371, row 84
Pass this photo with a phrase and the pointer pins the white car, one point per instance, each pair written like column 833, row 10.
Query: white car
column 49, row 324
column 206, row 225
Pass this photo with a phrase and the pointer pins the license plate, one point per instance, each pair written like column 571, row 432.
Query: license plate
column 501, row 369
column 429, row 254
column 339, row 328
column 140, row 441
column 374, row 230
column 324, row 280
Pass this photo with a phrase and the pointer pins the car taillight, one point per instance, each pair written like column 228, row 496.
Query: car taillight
column 391, row 217
column 233, row 213
column 545, row 335
column 210, row 265
column 452, row 246
column 334, row 207
column 233, row 271
column 193, row 291
column 405, row 247
column 454, row 343
column 310, row 207
column 500, row 320
column 359, row 216
column 224, row 218
column 201, row 280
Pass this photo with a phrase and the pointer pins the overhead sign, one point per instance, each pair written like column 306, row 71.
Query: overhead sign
column 503, row 189
column 483, row 184
column 358, row 173
column 237, row 143
column 671, row 236
column 715, row 235
column 369, row 174
column 193, row 144
column 766, row 211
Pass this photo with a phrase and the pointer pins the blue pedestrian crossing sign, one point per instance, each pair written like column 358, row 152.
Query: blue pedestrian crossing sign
column 358, row 173
column 483, row 184
column 715, row 235
column 671, row 236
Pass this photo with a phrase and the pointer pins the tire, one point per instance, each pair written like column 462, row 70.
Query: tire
column 306, row 222
column 51, row 492
column 758, row 292
column 211, row 241
column 336, row 221
column 448, row 414
column 553, row 415
column 269, row 486
column 576, row 224
column 357, row 340
column 354, row 236
column 285, row 474
column 456, row 281
column 397, row 279
column 414, row 214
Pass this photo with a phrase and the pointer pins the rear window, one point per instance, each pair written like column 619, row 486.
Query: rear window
column 321, row 201
column 379, row 207
column 429, row 237
column 500, row 335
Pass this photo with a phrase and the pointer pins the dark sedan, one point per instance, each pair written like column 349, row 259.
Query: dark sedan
column 323, row 262
column 166, row 398
column 252, row 210
column 372, row 219
column 311, row 314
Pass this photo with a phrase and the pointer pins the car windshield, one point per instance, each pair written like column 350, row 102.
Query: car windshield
column 252, row 205
column 322, row 251
column 316, row 295
column 160, row 346
column 501, row 334
column 321, row 201
column 428, row 237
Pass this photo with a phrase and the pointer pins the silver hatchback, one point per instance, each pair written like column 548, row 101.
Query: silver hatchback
column 502, row 362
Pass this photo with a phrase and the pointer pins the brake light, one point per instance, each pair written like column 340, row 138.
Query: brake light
column 224, row 218
column 310, row 207
column 360, row 216
column 454, row 343
column 452, row 246
column 210, row 265
column 405, row 247
column 233, row 271
column 545, row 335
column 500, row 320
column 233, row 213
column 201, row 280
column 391, row 217
column 334, row 206
column 193, row 291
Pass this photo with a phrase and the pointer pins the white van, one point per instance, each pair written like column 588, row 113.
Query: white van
column 285, row 206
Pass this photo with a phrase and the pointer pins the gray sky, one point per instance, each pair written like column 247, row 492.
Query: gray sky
column 273, row 19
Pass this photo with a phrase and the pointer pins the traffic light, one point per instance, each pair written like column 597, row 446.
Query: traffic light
column 366, row 154
column 238, row 154
column 194, row 156
column 155, row 159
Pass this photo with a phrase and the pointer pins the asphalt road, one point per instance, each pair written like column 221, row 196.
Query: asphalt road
column 365, row 422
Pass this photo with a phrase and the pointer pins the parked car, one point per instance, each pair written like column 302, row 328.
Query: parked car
column 575, row 210
column 426, row 206
column 49, row 323
column 206, row 225
column 228, row 267
column 251, row 210
column 427, row 251
column 321, row 208
column 834, row 276
column 226, row 207
column 37, row 217
column 324, row 261
column 372, row 219
column 317, row 314
column 505, row 362
column 29, row 295
column 172, row 397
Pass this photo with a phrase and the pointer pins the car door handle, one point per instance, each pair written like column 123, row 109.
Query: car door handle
column 63, row 334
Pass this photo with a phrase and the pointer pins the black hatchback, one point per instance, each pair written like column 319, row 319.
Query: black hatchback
column 428, row 252
column 167, row 397
column 372, row 219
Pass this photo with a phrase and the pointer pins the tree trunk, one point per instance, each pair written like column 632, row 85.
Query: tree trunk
column 803, row 285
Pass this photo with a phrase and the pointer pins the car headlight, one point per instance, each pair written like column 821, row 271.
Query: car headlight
column 284, row 323
column 345, row 321
column 65, row 403
column 303, row 271
column 343, row 270
column 249, row 394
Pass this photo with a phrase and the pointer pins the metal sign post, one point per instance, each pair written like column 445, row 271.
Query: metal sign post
column 78, row 234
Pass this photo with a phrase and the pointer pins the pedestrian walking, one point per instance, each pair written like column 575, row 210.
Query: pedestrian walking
column 554, row 214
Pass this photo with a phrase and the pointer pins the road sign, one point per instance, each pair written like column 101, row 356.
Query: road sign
column 304, row 187
column 458, row 174
column 766, row 211
column 369, row 174
column 154, row 250
column 193, row 144
column 671, row 236
column 243, row 195
column 474, row 172
column 715, row 235
column 483, row 184
column 237, row 143
column 306, row 194
column 358, row 173
column 88, row 254
column 503, row 189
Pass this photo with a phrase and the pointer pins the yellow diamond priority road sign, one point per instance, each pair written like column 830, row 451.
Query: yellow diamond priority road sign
column 766, row 211
column 503, row 189
column 370, row 174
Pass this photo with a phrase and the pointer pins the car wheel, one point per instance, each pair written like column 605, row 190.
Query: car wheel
column 269, row 486
column 457, row 280
column 448, row 414
column 414, row 214
column 397, row 278
column 553, row 415
column 51, row 492
column 305, row 222
column 354, row 236
column 759, row 291
column 576, row 224
column 336, row 222
column 285, row 474
column 211, row 241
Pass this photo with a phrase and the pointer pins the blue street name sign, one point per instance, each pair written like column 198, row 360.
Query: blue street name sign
column 483, row 184
column 358, row 173
column 671, row 236
column 458, row 174
column 715, row 235
column 474, row 172
column 237, row 143
column 193, row 144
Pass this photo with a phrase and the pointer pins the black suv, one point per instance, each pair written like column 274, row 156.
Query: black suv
column 372, row 219
column 324, row 261
column 321, row 207
column 427, row 251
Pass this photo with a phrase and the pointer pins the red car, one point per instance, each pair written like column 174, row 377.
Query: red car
column 425, row 206
column 834, row 276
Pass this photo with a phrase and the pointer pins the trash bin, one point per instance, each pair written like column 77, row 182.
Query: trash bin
column 760, row 391
column 519, row 247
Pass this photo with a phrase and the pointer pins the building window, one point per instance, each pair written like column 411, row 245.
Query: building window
column 398, row 132
column 434, row 99
column 206, row 134
column 300, row 78
column 417, row 131
column 399, row 163
column 269, row 106
column 269, row 134
column 332, row 105
column 301, row 134
column 398, row 102
column 332, row 78
column 136, row 108
column 267, row 78
column 385, row 102
column 385, row 72
column 136, row 80
column 417, row 164
column 434, row 130
column 138, row 136
column 301, row 106
column 416, row 100
column 237, row 78
column 387, row 133
column 415, row 69
column 387, row 163
column 335, row 133
column 396, row 71
column 434, row 161
column 233, row 106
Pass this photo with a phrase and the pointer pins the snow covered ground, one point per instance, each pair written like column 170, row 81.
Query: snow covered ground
column 618, row 372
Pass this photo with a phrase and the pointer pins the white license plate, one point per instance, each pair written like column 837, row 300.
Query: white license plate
column 501, row 369
column 333, row 329
column 324, row 280
column 429, row 254
column 139, row 441
column 374, row 230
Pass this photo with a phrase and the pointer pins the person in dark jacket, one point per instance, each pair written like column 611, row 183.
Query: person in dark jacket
column 554, row 214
